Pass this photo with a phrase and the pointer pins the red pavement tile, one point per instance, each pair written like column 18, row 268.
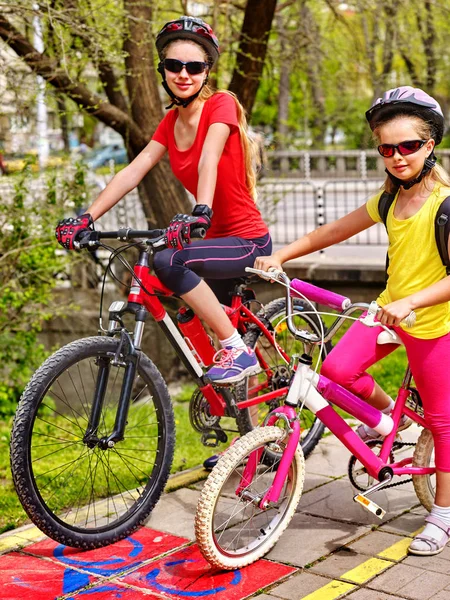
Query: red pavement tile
column 186, row 574
column 112, row 560
column 29, row 577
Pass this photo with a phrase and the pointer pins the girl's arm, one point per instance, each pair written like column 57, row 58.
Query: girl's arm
column 323, row 237
column 213, row 146
column 437, row 293
column 127, row 179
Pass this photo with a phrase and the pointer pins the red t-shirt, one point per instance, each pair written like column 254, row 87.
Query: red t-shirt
column 235, row 212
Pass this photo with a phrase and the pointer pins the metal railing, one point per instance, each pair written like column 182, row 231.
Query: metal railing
column 326, row 164
column 292, row 207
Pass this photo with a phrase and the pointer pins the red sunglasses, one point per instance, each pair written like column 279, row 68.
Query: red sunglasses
column 404, row 148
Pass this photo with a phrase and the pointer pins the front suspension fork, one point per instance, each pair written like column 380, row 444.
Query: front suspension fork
column 130, row 362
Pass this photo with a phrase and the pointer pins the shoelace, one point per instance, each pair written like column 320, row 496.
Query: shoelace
column 225, row 357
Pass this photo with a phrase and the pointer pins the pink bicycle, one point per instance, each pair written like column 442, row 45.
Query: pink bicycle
column 247, row 502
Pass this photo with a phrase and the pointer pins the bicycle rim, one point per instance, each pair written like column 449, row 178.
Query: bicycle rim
column 232, row 531
column 279, row 373
column 81, row 493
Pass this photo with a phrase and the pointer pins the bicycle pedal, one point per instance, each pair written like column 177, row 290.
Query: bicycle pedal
column 369, row 505
column 211, row 439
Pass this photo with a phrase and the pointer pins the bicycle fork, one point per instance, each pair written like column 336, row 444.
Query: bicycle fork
column 130, row 362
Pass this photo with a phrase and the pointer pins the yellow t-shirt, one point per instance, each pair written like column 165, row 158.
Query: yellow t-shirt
column 414, row 261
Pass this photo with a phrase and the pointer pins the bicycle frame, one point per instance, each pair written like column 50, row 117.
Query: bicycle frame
column 312, row 389
column 143, row 299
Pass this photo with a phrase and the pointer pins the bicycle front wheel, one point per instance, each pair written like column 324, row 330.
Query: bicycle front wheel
column 276, row 373
column 80, row 492
column 232, row 531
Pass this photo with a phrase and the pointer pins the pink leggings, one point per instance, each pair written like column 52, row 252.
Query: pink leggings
column 429, row 361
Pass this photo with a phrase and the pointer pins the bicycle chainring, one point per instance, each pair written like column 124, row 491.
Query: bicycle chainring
column 355, row 471
column 199, row 414
column 359, row 478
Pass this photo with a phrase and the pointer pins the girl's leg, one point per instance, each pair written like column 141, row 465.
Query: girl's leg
column 349, row 360
column 205, row 304
column 429, row 366
column 223, row 258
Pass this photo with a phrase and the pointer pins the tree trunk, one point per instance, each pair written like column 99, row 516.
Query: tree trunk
column 162, row 195
column 252, row 51
column 313, row 67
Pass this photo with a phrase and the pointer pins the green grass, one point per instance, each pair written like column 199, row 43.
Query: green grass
column 189, row 452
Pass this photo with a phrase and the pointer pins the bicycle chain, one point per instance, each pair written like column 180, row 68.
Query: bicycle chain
column 397, row 446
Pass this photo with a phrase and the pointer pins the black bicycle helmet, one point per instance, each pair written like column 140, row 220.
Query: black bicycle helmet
column 189, row 28
column 186, row 28
column 409, row 101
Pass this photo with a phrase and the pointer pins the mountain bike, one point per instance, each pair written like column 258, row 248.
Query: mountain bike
column 247, row 503
column 93, row 437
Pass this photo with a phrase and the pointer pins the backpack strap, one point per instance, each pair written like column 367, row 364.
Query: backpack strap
column 384, row 204
column 442, row 232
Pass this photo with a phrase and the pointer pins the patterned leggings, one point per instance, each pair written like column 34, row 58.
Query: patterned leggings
column 213, row 259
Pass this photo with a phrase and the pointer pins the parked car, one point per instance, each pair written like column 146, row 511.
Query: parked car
column 102, row 156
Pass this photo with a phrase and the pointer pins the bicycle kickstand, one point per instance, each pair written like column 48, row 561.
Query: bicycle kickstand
column 370, row 505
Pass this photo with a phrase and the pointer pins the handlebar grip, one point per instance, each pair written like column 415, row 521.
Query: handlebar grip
column 320, row 295
column 198, row 233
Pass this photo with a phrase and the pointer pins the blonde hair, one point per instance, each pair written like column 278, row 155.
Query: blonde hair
column 424, row 130
column 250, row 150
column 252, row 160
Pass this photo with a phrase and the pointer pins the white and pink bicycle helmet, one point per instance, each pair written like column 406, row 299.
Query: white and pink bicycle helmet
column 410, row 101
column 406, row 100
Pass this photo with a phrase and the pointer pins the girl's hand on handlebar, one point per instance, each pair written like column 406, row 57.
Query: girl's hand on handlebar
column 265, row 263
column 395, row 312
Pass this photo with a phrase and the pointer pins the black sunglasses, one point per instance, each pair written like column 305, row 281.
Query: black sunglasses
column 192, row 67
column 404, row 148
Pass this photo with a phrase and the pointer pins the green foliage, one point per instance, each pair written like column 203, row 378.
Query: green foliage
column 29, row 261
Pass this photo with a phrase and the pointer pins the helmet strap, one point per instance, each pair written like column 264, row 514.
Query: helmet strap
column 429, row 164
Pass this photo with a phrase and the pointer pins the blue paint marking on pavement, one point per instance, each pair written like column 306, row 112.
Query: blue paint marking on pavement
column 98, row 567
column 73, row 581
column 152, row 575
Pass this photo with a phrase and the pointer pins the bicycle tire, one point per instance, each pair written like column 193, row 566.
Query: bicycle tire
column 312, row 427
column 424, row 457
column 215, row 542
column 125, row 481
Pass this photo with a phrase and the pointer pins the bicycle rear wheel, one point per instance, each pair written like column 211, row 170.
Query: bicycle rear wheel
column 79, row 493
column 278, row 373
column 424, row 485
column 232, row 531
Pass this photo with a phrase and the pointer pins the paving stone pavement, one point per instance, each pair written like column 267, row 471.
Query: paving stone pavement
column 332, row 548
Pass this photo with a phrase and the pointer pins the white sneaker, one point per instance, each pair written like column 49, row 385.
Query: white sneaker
column 367, row 434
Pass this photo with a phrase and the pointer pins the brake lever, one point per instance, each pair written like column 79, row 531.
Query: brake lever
column 369, row 319
column 90, row 241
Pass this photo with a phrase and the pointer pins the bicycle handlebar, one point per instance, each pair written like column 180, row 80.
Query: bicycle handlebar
column 151, row 237
column 297, row 287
